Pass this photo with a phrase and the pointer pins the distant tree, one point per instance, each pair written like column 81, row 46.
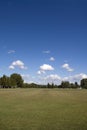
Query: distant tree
column 59, row 86
column 65, row 84
column 33, row 85
column 77, row 85
column 5, row 81
column 16, row 80
column 26, row 85
column 48, row 85
column 8, row 83
column 83, row 83
column 52, row 85
column 56, row 86
column 74, row 85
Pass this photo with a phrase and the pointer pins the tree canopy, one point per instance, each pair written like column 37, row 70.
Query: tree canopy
column 15, row 80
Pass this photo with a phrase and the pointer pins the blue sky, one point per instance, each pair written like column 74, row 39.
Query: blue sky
column 44, row 40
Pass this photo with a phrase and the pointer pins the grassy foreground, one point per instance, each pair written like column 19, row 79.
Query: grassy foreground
column 43, row 109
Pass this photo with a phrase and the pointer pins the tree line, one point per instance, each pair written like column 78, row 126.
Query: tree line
column 16, row 81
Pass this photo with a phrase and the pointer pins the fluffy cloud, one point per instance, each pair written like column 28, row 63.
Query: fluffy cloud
column 46, row 67
column 52, row 59
column 18, row 64
column 11, row 67
column 11, row 51
column 67, row 67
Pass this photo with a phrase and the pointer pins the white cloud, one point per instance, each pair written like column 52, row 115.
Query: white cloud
column 11, row 67
column 38, row 72
column 52, row 59
column 79, row 76
column 67, row 67
column 41, row 72
column 18, row 64
column 46, row 67
column 76, row 77
column 46, row 52
column 11, row 51
column 53, row 77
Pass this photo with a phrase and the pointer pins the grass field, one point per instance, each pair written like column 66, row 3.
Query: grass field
column 43, row 109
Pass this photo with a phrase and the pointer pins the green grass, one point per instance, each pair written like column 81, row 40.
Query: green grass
column 43, row 109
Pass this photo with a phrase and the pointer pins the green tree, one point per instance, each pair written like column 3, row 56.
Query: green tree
column 13, row 83
column 77, row 85
column 16, row 80
column 5, row 81
column 25, row 85
column 84, row 83
column 65, row 84
column 48, row 85
column 74, row 85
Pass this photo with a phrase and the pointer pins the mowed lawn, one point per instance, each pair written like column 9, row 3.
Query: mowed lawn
column 43, row 109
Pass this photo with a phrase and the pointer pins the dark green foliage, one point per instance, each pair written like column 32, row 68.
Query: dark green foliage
column 5, row 82
column 74, row 85
column 65, row 84
column 13, row 83
column 17, row 80
column 25, row 85
column 48, row 85
column 33, row 85
column 77, row 85
column 84, row 83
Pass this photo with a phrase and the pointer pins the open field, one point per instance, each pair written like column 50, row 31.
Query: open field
column 43, row 109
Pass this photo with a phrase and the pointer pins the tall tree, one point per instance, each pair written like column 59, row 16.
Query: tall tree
column 84, row 83
column 17, row 80
column 4, row 81
column 48, row 85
